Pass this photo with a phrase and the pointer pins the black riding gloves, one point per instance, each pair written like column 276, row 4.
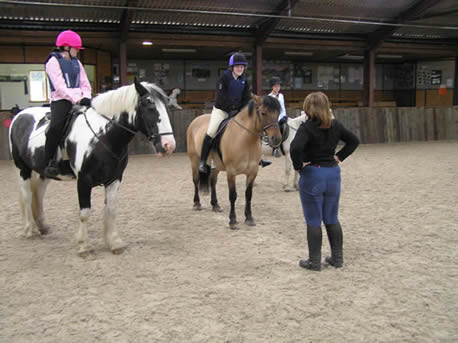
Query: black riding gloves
column 85, row 102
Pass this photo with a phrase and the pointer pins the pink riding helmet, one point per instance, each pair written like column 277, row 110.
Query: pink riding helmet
column 69, row 38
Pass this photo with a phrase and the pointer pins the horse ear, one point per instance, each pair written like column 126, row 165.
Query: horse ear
column 256, row 99
column 140, row 89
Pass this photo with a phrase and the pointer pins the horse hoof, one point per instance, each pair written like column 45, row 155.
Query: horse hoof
column 85, row 253
column 197, row 207
column 250, row 222
column 44, row 230
column 118, row 251
column 233, row 227
column 289, row 190
column 217, row 209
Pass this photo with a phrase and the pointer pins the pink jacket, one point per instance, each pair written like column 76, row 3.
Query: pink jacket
column 62, row 92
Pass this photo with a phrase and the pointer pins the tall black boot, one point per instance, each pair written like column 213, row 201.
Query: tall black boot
column 314, row 238
column 264, row 163
column 206, row 145
column 335, row 237
column 51, row 169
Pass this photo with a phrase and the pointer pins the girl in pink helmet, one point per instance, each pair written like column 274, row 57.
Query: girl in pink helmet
column 69, row 86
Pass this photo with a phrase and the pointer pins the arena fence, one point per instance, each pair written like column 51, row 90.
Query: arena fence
column 371, row 125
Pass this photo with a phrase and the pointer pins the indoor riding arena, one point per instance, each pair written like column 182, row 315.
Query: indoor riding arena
column 185, row 275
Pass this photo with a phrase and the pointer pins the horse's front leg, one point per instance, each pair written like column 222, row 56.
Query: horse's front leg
column 287, row 186
column 249, row 220
column 232, row 197
column 214, row 200
column 195, row 180
column 26, row 207
column 38, row 192
column 84, row 198
column 112, row 239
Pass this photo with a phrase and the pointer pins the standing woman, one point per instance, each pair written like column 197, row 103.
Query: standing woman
column 313, row 155
column 69, row 86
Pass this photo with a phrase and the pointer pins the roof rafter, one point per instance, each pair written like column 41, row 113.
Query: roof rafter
column 266, row 26
column 376, row 38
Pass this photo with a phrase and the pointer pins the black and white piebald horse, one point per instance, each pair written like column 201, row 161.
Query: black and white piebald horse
column 95, row 152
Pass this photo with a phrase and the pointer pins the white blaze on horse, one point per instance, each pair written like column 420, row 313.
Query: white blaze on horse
column 95, row 152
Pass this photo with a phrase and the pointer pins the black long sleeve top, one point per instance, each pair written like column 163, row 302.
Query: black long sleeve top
column 317, row 145
column 232, row 94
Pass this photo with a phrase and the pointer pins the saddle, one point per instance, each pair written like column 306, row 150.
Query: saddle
column 284, row 129
column 74, row 113
column 217, row 139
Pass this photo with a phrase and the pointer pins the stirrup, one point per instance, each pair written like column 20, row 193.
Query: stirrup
column 203, row 168
column 51, row 170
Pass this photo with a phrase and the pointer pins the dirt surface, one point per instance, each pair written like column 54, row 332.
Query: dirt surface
column 186, row 277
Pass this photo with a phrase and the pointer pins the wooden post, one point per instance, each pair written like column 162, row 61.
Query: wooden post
column 369, row 78
column 123, row 63
column 258, row 78
column 455, row 86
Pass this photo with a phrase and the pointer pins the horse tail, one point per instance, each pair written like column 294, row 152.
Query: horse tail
column 204, row 180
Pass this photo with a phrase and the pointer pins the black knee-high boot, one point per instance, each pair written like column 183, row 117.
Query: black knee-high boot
column 335, row 237
column 314, row 238
column 206, row 145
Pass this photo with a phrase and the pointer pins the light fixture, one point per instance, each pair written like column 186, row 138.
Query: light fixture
column 247, row 53
column 178, row 50
column 298, row 53
column 389, row 56
column 146, row 43
column 351, row 57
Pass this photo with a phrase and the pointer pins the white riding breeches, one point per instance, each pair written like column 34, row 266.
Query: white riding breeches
column 216, row 117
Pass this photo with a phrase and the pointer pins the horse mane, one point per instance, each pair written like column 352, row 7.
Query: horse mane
column 269, row 102
column 124, row 99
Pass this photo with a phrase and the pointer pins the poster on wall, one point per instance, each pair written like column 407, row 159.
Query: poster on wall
column 38, row 85
column 201, row 72
column 436, row 77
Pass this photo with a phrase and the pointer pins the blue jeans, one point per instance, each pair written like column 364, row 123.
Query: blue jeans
column 319, row 189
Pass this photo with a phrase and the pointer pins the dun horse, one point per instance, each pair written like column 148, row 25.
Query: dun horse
column 97, row 149
column 239, row 151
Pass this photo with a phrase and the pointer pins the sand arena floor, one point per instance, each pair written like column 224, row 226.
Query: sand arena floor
column 186, row 277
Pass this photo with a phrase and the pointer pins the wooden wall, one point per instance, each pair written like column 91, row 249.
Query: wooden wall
column 371, row 125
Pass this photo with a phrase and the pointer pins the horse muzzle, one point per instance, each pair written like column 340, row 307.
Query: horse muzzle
column 164, row 145
column 274, row 141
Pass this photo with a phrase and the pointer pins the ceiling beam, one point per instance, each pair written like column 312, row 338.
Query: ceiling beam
column 420, row 6
column 126, row 18
column 265, row 26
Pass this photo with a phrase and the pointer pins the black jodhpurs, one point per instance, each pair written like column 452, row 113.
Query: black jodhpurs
column 60, row 110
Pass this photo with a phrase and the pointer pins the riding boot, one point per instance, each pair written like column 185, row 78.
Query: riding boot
column 264, row 163
column 314, row 238
column 52, row 142
column 206, row 145
column 335, row 237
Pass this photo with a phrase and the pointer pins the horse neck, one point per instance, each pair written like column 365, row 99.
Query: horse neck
column 120, row 132
column 248, row 121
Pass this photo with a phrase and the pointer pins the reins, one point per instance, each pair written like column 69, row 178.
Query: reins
column 263, row 134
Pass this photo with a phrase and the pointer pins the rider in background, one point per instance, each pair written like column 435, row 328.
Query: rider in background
column 275, row 84
column 69, row 86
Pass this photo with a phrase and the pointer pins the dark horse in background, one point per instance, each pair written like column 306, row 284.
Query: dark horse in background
column 94, row 151
column 239, row 151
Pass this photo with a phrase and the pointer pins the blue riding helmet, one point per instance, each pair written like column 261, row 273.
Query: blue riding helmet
column 237, row 58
